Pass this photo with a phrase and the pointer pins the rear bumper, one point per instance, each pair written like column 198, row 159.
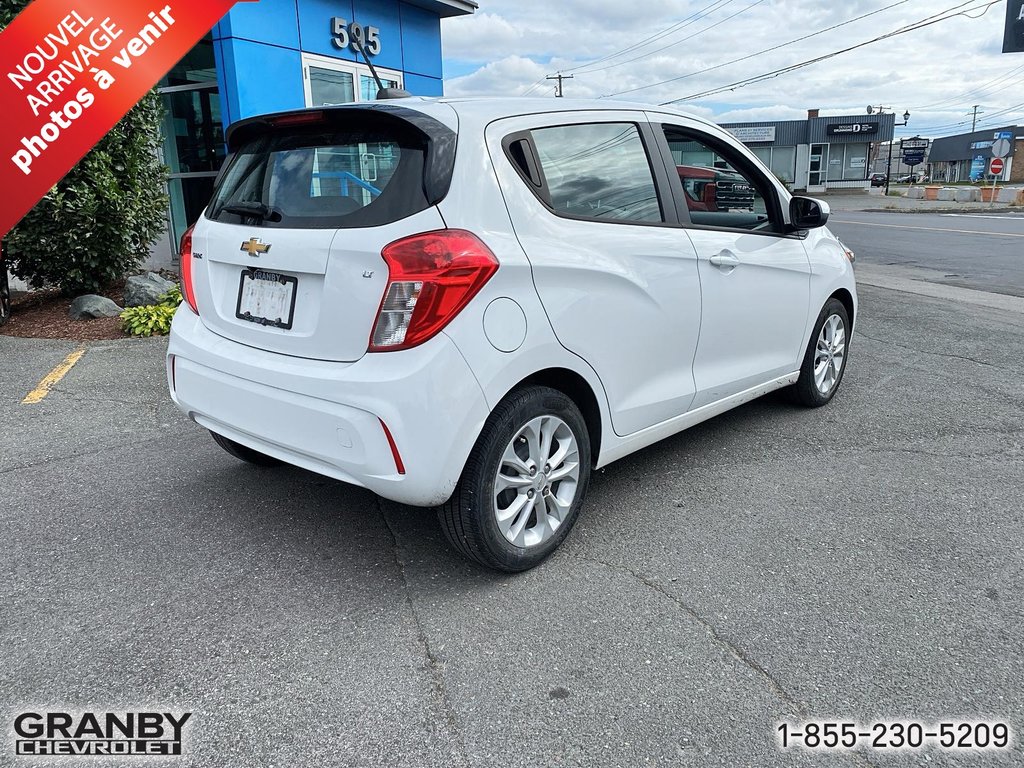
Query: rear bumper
column 326, row 417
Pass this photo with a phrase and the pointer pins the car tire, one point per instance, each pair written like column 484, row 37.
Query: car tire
column 506, row 513
column 828, row 352
column 245, row 453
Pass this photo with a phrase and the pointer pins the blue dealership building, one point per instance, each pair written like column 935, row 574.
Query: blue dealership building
column 273, row 55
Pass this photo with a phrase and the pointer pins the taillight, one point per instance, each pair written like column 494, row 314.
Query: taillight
column 433, row 276
column 185, row 265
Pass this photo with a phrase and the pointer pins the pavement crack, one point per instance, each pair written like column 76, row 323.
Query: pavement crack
column 798, row 708
column 434, row 664
column 80, row 454
column 947, row 355
column 734, row 650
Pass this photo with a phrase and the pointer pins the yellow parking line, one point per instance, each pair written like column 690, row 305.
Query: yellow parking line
column 50, row 381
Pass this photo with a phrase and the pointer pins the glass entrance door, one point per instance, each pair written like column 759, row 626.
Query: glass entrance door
column 818, row 171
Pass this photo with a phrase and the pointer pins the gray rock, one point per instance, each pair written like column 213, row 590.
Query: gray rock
column 143, row 290
column 93, row 306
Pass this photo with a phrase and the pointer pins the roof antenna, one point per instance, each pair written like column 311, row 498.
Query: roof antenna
column 382, row 92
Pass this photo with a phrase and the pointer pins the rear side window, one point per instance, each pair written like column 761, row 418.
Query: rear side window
column 324, row 179
column 598, row 171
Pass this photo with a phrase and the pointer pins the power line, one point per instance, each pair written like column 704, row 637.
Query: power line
column 927, row 22
column 657, row 36
column 677, row 42
column 989, row 121
column 759, row 53
column 976, row 91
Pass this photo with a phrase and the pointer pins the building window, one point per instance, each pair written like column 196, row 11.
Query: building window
column 780, row 160
column 848, row 162
column 334, row 81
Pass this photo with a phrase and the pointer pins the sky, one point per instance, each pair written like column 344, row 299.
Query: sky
column 616, row 49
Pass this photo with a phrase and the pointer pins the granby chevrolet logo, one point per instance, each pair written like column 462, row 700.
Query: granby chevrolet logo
column 254, row 246
column 109, row 733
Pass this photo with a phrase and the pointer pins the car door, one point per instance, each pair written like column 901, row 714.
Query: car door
column 618, row 285
column 754, row 275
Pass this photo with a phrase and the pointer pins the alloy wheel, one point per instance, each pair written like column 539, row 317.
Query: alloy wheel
column 830, row 354
column 537, row 481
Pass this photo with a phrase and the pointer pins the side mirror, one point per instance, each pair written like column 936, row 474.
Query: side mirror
column 808, row 213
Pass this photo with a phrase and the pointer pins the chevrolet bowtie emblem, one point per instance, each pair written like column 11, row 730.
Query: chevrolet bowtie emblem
column 254, row 247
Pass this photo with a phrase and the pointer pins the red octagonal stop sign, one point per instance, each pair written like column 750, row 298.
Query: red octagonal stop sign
column 995, row 167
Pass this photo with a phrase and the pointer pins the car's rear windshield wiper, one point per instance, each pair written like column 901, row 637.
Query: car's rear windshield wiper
column 252, row 209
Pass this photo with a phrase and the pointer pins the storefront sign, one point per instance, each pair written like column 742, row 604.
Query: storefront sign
column 755, row 134
column 354, row 36
column 840, row 129
column 70, row 70
column 978, row 166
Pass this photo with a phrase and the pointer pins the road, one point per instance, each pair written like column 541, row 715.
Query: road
column 979, row 251
column 860, row 562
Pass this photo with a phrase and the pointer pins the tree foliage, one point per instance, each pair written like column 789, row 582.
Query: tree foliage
column 97, row 223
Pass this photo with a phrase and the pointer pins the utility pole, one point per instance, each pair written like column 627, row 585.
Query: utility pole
column 560, row 77
column 974, row 121
column 888, row 165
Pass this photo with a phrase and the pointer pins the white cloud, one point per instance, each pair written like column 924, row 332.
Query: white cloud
column 938, row 72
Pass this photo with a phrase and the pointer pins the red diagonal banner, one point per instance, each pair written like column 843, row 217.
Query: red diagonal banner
column 70, row 70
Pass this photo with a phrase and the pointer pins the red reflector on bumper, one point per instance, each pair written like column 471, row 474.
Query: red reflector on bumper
column 394, row 448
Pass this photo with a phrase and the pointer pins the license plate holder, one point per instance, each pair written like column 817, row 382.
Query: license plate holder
column 267, row 298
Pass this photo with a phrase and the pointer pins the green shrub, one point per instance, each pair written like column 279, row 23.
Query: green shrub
column 171, row 299
column 154, row 319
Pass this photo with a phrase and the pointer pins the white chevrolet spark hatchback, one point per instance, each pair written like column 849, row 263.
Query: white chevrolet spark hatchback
column 471, row 305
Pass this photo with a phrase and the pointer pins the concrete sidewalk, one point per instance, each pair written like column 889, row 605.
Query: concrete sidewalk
column 876, row 200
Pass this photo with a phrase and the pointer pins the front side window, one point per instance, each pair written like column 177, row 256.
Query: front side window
column 718, row 187
column 598, row 171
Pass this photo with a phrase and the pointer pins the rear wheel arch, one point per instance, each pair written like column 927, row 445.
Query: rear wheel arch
column 576, row 388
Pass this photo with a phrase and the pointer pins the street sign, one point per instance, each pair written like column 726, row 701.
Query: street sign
column 915, row 143
column 913, row 158
column 1001, row 148
column 995, row 166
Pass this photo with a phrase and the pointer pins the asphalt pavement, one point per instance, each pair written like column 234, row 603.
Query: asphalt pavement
column 862, row 562
column 972, row 250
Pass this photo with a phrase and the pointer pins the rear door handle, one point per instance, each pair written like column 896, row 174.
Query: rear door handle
column 725, row 260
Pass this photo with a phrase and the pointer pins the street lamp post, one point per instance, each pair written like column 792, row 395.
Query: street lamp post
column 888, row 166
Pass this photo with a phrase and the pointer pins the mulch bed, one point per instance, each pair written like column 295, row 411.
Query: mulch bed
column 44, row 315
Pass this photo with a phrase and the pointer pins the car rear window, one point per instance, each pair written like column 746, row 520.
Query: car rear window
column 324, row 178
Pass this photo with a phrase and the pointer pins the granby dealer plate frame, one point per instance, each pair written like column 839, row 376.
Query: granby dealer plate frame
column 261, row 292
